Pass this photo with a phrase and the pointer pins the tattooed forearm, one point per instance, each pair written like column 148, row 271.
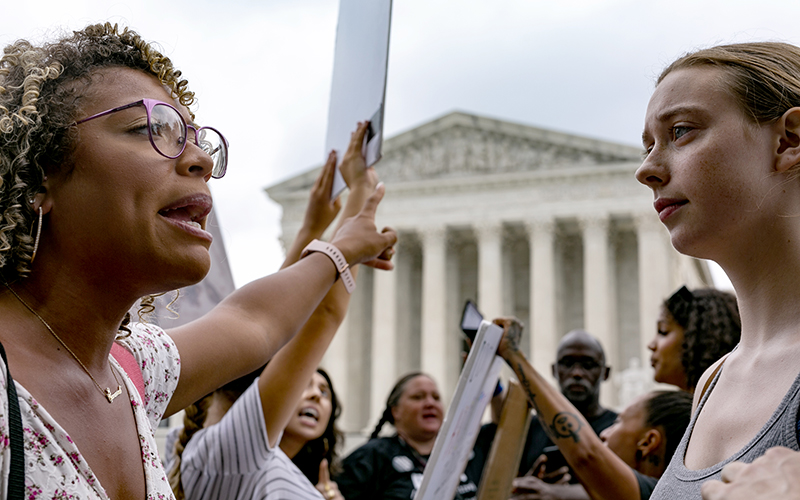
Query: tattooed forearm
column 566, row 425
column 514, row 335
column 526, row 384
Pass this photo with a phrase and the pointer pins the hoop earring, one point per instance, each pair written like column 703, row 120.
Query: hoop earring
column 38, row 235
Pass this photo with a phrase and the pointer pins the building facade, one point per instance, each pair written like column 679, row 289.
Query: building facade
column 549, row 227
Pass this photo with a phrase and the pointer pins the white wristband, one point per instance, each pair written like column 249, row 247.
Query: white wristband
column 342, row 267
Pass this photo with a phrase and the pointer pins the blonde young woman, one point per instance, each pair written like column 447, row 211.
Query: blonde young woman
column 722, row 137
column 103, row 200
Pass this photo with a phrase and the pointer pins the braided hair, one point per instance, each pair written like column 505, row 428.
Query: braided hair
column 671, row 411
column 711, row 327
column 392, row 400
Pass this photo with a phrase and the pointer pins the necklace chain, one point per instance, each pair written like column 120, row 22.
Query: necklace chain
column 110, row 396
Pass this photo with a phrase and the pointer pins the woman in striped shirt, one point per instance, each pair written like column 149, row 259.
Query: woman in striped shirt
column 228, row 448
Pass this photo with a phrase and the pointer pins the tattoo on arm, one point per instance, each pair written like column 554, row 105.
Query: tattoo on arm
column 514, row 335
column 566, row 425
column 527, row 385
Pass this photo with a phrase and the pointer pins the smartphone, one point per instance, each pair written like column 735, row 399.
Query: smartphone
column 555, row 460
column 471, row 320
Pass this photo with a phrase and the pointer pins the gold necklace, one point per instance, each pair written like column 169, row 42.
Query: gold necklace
column 110, row 396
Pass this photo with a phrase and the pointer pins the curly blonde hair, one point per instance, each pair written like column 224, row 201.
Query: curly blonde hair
column 40, row 91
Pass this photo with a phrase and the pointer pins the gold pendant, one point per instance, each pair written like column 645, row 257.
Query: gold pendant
column 112, row 396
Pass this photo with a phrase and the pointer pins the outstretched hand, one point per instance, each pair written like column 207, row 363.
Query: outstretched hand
column 328, row 488
column 354, row 165
column 322, row 210
column 359, row 240
column 776, row 474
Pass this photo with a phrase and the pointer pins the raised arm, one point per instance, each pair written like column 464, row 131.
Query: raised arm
column 250, row 325
column 320, row 212
column 604, row 475
column 286, row 376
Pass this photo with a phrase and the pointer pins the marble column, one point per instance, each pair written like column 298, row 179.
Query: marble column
column 542, row 328
column 434, row 302
column 490, row 269
column 597, row 292
column 654, row 273
column 384, row 338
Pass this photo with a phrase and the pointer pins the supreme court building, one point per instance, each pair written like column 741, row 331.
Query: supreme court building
column 547, row 226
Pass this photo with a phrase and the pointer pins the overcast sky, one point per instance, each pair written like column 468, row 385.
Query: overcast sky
column 262, row 69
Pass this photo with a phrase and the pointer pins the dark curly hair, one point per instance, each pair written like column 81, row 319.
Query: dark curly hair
column 40, row 92
column 325, row 446
column 711, row 327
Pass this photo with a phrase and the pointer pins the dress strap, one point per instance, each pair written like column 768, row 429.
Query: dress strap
column 16, row 474
column 130, row 365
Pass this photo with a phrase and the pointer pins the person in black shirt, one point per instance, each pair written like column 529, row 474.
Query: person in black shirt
column 579, row 369
column 391, row 468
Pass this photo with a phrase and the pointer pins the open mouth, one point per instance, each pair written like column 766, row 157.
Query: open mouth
column 430, row 415
column 190, row 211
column 309, row 414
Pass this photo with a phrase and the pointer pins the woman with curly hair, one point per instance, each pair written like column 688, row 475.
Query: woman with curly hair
column 103, row 200
column 694, row 329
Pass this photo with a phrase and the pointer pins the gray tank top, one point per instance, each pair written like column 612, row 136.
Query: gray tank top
column 780, row 430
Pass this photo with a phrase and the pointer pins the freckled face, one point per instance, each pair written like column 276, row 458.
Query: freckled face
column 667, row 347
column 709, row 168
column 624, row 434
column 419, row 413
column 106, row 211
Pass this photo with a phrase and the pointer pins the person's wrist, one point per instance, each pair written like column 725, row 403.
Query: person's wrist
column 339, row 260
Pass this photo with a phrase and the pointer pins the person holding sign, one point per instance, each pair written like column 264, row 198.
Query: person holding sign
column 391, row 468
column 637, row 446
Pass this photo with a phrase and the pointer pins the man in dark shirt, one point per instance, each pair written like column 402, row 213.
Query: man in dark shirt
column 579, row 369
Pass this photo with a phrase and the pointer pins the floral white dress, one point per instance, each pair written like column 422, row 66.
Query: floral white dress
column 54, row 467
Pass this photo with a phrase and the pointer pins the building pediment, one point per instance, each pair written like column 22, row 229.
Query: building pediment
column 461, row 145
column 465, row 145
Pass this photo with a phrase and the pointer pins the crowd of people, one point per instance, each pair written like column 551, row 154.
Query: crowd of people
column 103, row 203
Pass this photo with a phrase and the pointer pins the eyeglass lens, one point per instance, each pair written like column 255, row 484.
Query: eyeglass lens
column 168, row 131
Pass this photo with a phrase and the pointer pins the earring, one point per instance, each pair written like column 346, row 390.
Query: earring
column 38, row 235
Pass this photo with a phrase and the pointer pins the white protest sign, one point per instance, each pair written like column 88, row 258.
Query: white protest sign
column 463, row 420
column 358, row 87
